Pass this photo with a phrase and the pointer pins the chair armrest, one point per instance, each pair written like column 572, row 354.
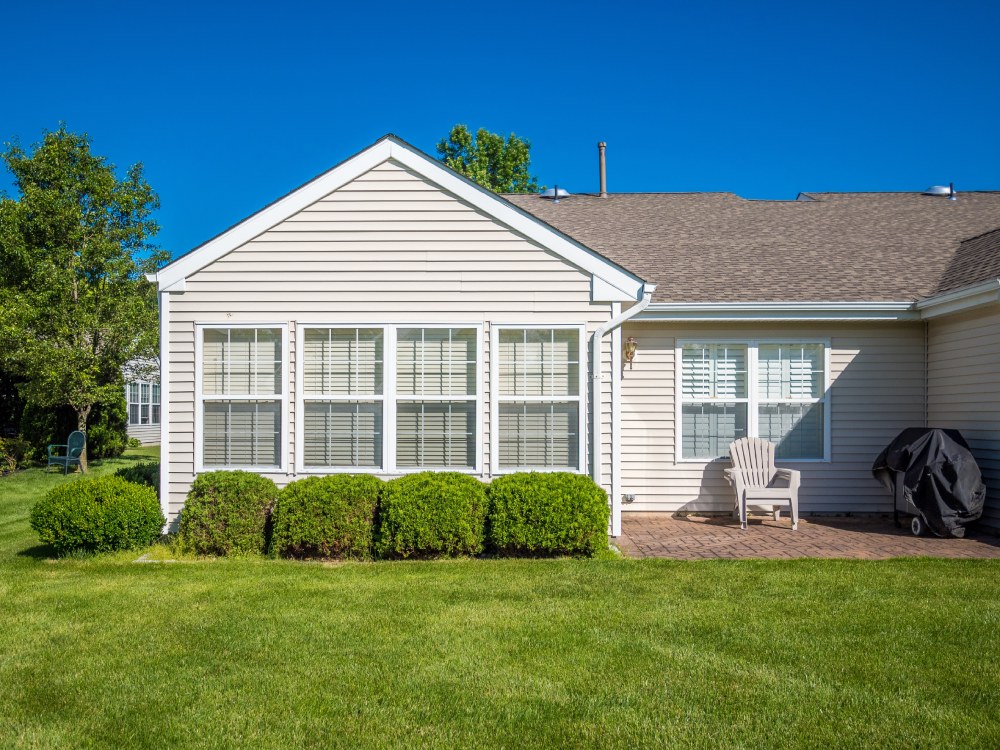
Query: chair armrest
column 735, row 477
column 56, row 451
column 794, row 476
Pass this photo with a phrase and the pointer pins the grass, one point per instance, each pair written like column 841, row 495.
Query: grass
column 101, row 652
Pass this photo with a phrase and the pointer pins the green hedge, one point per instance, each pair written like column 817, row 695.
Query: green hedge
column 97, row 515
column 326, row 517
column 227, row 513
column 147, row 473
column 547, row 514
column 431, row 514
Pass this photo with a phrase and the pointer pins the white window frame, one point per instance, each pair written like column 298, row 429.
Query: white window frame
column 200, row 399
column 389, row 399
column 580, row 398
column 753, row 400
column 128, row 403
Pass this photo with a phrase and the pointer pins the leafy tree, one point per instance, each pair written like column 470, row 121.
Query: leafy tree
column 501, row 166
column 74, row 248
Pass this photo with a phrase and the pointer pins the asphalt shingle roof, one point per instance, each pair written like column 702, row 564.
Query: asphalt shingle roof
column 718, row 247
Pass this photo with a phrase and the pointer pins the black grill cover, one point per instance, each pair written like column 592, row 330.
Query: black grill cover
column 941, row 477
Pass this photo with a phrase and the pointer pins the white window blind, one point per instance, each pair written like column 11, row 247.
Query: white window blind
column 343, row 385
column 781, row 397
column 241, row 397
column 436, row 384
column 790, row 384
column 539, row 398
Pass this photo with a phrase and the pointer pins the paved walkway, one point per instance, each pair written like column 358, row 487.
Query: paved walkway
column 699, row 538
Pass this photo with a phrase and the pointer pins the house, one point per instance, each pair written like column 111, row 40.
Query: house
column 142, row 399
column 390, row 316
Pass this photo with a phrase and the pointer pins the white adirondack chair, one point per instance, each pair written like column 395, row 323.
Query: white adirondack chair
column 754, row 475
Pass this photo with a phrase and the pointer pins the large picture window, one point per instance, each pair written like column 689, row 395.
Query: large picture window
column 538, row 398
column 772, row 390
column 241, row 397
column 389, row 398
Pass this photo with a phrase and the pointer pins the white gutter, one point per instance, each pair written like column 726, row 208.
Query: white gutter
column 960, row 299
column 781, row 311
column 595, row 392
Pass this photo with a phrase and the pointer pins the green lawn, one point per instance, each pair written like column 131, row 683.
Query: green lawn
column 102, row 652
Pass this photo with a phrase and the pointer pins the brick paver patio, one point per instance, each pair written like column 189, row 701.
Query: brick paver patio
column 700, row 538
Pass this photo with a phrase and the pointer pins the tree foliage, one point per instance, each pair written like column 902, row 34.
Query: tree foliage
column 75, row 244
column 501, row 166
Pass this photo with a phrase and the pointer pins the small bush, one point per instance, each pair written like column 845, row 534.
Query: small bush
column 328, row 517
column 227, row 513
column 14, row 453
column 147, row 473
column 431, row 514
column 547, row 514
column 133, row 443
column 97, row 515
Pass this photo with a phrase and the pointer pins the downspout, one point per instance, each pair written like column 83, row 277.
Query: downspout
column 595, row 394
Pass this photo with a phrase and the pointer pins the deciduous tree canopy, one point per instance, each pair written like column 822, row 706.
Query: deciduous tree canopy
column 75, row 243
column 501, row 166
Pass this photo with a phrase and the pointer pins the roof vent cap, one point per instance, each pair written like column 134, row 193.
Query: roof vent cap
column 944, row 191
column 554, row 194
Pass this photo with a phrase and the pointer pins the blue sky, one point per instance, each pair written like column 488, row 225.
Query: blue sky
column 231, row 105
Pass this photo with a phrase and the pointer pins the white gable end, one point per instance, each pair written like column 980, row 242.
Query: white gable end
column 402, row 168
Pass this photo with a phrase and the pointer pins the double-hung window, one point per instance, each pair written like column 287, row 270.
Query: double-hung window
column 343, row 387
column 436, row 402
column 241, row 396
column 143, row 403
column 772, row 390
column 538, row 398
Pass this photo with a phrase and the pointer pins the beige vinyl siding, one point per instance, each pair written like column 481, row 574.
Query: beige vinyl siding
column 877, row 389
column 387, row 248
column 963, row 389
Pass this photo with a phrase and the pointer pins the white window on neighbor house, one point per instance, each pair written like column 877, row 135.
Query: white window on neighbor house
column 773, row 390
column 436, row 401
column 538, row 404
column 343, row 393
column 143, row 403
column 241, row 396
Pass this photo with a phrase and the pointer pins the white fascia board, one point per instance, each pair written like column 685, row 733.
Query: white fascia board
column 960, row 299
column 779, row 311
column 615, row 281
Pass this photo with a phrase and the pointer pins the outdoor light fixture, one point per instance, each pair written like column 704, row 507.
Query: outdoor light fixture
column 628, row 351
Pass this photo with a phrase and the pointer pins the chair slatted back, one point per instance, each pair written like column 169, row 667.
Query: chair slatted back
column 755, row 458
column 75, row 443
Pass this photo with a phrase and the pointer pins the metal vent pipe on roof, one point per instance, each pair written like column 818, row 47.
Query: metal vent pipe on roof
column 604, row 169
column 944, row 191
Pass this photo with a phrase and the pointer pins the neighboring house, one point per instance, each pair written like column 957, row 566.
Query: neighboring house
column 142, row 397
column 391, row 316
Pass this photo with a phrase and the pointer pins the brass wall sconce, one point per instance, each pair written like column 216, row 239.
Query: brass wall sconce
column 628, row 351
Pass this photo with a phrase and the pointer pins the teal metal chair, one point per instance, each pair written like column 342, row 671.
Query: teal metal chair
column 69, row 454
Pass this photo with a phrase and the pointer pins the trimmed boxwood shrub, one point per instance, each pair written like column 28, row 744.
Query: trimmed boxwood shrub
column 554, row 513
column 431, row 514
column 97, row 515
column 227, row 513
column 147, row 473
column 327, row 517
